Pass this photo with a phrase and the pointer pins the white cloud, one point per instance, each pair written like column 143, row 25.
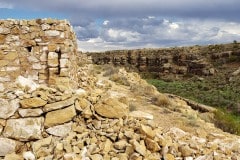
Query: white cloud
column 105, row 22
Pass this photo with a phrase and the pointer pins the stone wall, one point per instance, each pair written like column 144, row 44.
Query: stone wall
column 40, row 50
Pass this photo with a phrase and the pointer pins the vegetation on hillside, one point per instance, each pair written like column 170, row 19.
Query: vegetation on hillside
column 226, row 97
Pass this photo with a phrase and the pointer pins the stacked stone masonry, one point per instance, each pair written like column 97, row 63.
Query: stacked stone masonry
column 40, row 50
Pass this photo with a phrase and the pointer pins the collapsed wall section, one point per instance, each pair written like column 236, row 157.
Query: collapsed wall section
column 44, row 50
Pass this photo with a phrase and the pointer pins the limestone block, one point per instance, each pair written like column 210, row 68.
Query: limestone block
column 43, row 57
column 52, row 33
column 4, row 30
column 37, row 66
column 32, row 22
column 53, row 71
column 59, row 105
column 30, row 112
column 34, row 102
column 2, row 38
column 32, row 59
column 59, row 116
column 64, row 63
column 147, row 130
column 43, row 76
column 45, row 27
column 41, row 143
column 53, row 48
column 2, row 88
column 11, row 56
column 4, row 63
column 7, row 146
column 111, row 108
column 11, row 38
column 8, row 108
column 152, row 145
column 60, row 130
column 64, row 72
column 12, row 68
column 24, row 129
column 53, row 59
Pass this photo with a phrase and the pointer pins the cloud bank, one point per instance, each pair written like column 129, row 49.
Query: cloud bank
column 107, row 24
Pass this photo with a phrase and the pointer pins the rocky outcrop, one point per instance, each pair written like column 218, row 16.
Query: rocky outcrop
column 196, row 60
column 72, row 124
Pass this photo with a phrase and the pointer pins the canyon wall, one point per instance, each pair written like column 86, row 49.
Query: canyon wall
column 196, row 60
column 40, row 50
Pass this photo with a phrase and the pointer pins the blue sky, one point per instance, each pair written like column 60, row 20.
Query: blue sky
column 107, row 24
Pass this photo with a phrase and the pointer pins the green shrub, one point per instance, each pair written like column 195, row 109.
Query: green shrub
column 227, row 121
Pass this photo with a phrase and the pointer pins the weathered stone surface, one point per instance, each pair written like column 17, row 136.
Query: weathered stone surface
column 185, row 150
column 13, row 156
column 59, row 116
column 32, row 102
column 112, row 108
column 152, row 145
column 141, row 114
column 2, row 88
column 7, row 109
column 24, row 129
column 139, row 147
column 52, row 33
column 30, row 112
column 60, row 130
column 147, row 130
column 41, row 143
column 59, row 105
column 7, row 146
column 120, row 144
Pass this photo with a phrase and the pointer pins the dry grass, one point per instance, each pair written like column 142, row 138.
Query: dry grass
column 143, row 89
column 161, row 100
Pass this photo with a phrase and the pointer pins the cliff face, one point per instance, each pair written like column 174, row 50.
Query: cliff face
column 197, row 60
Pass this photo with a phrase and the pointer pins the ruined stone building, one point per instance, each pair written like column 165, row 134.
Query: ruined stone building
column 43, row 50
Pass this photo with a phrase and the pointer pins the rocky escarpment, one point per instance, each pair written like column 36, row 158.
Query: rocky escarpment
column 196, row 60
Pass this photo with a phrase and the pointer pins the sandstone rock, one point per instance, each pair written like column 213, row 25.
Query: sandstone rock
column 59, row 116
column 87, row 112
column 141, row 114
column 107, row 146
column 13, row 156
column 185, row 150
column 26, row 83
column 24, row 129
column 2, row 88
column 41, row 143
column 32, row 102
column 169, row 157
column 120, row 145
column 147, row 130
column 30, row 112
column 7, row 146
column 111, row 108
column 59, row 105
column 152, row 145
column 96, row 157
column 52, row 33
column 60, row 130
column 139, row 147
column 8, row 108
